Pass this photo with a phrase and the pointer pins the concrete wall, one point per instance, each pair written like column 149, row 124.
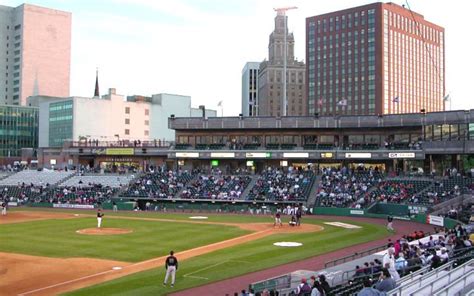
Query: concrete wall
column 163, row 106
column 102, row 119
column 46, row 52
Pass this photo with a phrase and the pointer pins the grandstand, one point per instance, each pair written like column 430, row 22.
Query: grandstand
column 34, row 177
column 113, row 181
column 225, row 187
column 157, row 185
column 279, row 185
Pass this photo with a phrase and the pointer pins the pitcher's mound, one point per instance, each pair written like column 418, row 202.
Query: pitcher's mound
column 104, row 231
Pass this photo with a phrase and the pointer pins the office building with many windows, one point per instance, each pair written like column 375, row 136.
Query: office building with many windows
column 250, row 89
column 35, row 53
column 380, row 58
column 18, row 129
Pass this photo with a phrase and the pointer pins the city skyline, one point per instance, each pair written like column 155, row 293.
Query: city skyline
column 143, row 48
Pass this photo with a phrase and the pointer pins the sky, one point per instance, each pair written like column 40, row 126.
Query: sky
column 199, row 47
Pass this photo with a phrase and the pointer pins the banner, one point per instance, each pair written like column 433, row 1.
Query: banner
column 435, row 220
column 357, row 212
column 119, row 151
column 73, row 206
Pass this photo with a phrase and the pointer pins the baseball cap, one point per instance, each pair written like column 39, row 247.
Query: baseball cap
column 303, row 280
column 313, row 277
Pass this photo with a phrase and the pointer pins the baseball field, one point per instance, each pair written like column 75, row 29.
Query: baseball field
column 46, row 252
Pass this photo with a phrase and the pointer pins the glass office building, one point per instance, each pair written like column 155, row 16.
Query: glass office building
column 18, row 129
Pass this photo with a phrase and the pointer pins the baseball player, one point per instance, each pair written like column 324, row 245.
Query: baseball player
column 171, row 266
column 99, row 218
column 277, row 220
column 4, row 208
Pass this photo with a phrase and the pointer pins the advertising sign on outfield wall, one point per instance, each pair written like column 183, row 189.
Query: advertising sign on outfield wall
column 435, row 220
column 73, row 206
column 357, row 212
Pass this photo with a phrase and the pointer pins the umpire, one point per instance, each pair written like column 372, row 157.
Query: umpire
column 171, row 266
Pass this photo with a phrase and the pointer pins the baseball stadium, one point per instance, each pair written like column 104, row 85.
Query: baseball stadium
column 358, row 197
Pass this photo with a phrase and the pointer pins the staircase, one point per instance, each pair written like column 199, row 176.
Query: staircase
column 249, row 187
column 310, row 203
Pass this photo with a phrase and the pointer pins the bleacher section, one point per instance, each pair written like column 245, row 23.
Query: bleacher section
column 343, row 188
column 158, row 185
column 113, row 181
column 283, row 186
column 36, row 177
column 216, row 187
column 399, row 191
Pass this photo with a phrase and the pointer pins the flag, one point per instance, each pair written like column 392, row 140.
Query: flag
column 320, row 102
column 447, row 97
column 396, row 100
column 219, row 104
column 342, row 102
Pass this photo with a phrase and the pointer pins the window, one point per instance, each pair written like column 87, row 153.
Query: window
column 127, row 132
column 147, row 112
column 147, row 133
column 147, row 122
column 127, row 120
column 127, row 110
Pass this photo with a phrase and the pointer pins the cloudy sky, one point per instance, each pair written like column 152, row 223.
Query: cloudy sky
column 199, row 47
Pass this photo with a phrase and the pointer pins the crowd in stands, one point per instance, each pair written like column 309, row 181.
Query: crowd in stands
column 402, row 258
column 346, row 187
column 89, row 194
column 216, row 186
column 278, row 184
column 159, row 184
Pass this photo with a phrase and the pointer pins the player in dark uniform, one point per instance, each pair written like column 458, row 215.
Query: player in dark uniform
column 299, row 213
column 99, row 218
column 171, row 266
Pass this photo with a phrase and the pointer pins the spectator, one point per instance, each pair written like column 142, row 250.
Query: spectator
column 368, row 290
column 324, row 284
column 389, row 263
column 385, row 283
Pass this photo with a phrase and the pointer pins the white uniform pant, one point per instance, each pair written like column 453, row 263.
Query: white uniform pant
column 4, row 211
column 390, row 226
column 171, row 270
column 99, row 222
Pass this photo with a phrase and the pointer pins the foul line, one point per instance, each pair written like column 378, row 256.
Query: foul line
column 143, row 262
column 67, row 282
column 211, row 266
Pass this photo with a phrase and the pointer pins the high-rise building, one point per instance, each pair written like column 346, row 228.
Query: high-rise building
column 270, row 77
column 250, row 89
column 380, row 58
column 35, row 53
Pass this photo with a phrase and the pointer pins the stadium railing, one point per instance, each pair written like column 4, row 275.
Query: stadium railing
column 354, row 256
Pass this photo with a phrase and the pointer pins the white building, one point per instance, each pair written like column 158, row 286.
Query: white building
column 250, row 89
column 110, row 118
column 35, row 53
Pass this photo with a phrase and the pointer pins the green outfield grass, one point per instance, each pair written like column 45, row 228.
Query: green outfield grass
column 150, row 239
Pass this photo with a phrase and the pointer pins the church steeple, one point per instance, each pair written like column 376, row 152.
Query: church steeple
column 96, row 91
